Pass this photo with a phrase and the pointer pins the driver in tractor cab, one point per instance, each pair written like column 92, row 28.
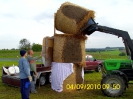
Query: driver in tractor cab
column 33, row 72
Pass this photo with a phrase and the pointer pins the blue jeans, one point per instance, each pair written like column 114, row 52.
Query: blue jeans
column 25, row 88
column 33, row 82
column 33, row 86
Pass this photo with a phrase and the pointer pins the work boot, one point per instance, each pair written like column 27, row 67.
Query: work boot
column 34, row 92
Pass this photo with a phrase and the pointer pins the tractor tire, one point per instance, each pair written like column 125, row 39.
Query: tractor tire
column 98, row 69
column 115, row 85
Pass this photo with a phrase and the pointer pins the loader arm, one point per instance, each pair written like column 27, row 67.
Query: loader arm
column 91, row 27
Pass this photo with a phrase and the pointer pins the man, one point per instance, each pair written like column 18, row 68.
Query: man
column 33, row 72
column 25, row 77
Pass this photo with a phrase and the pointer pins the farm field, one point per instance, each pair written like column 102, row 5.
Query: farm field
column 12, row 53
column 102, row 55
column 107, row 55
column 45, row 92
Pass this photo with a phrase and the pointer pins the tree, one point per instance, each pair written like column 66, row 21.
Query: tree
column 24, row 44
column 122, row 54
column 36, row 47
column 13, row 49
column 107, row 48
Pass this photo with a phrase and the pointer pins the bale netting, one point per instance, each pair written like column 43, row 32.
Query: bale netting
column 71, row 18
column 72, row 81
column 69, row 48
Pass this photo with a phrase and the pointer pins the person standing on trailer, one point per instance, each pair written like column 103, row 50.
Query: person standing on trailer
column 25, row 77
column 33, row 72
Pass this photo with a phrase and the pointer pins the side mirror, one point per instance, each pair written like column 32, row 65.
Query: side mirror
column 95, row 60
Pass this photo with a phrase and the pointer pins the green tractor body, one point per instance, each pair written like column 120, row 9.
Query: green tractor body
column 116, row 72
column 112, row 64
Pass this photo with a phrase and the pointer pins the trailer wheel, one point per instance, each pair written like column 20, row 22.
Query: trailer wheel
column 113, row 85
column 50, row 77
column 42, row 80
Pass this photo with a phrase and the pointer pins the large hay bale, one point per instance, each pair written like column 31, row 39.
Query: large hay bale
column 69, row 48
column 71, row 18
column 74, row 79
column 47, row 51
column 48, row 41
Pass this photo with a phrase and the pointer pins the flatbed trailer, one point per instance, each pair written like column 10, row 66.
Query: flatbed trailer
column 43, row 76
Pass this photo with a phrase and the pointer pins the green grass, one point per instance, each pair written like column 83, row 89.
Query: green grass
column 102, row 55
column 107, row 55
column 13, row 54
column 10, row 63
column 114, row 52
column 9, row 53
column 45, row 92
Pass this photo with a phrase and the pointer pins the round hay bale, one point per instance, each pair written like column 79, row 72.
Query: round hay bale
column 71, row 18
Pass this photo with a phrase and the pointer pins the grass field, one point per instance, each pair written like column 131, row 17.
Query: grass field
column 12, row 53
column 102, row 55
column 107, row 55
column 45, row 92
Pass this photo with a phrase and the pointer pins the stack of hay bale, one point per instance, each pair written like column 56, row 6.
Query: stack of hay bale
column 47, row 51
column 70, row 46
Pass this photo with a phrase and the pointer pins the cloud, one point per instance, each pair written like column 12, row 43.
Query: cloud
column 101, row 40
column 44, row 15
column 34, row 19
column 111, row 13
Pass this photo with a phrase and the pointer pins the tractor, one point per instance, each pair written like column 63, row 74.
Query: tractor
column 116, row 73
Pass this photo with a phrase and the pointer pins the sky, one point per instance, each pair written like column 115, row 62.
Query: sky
column 34, row 19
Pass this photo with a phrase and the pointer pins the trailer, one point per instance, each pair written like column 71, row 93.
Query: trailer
column 43, row 76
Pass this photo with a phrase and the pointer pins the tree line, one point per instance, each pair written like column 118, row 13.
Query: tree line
column 26, row 45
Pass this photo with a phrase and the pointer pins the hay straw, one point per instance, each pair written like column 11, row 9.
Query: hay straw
column 58, row 48
column 47, row 50
column 68, row 48
column 81, row 64
column 43, row 42
column 71, row 18
column 76, row 36
column 48, row 41
column 74, row 78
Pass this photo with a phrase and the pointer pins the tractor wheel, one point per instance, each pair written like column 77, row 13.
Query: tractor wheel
column 113, row 85
column 98, row 69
